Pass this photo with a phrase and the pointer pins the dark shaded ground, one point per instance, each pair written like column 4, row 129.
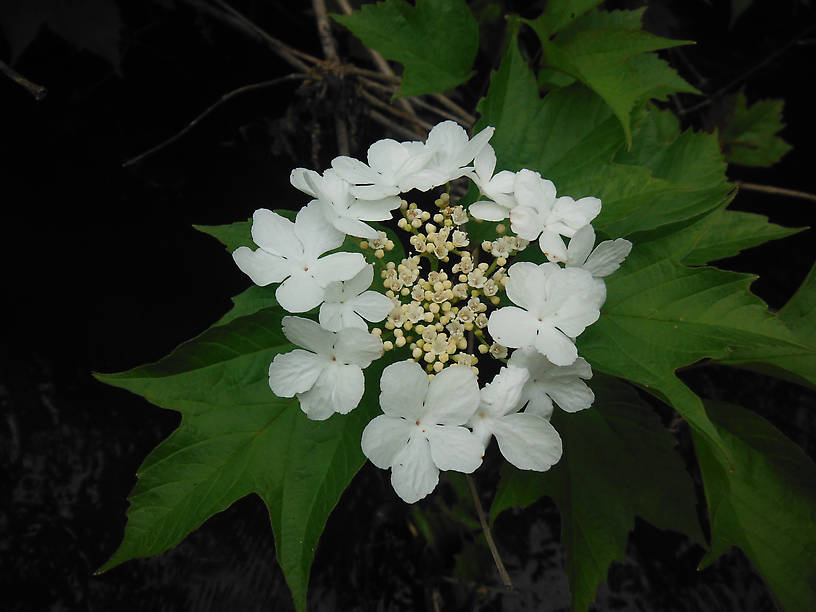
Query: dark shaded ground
column 103, row 272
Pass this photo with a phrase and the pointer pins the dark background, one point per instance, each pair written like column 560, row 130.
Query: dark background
column 103, row 271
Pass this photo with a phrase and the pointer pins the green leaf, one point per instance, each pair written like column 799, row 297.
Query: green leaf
column 797, row 364
column 436, row 41
column 749, row 134
column 609, row 53
column 558, row 14
column 232, row 235
column 619, row 462
column 572, row 138
column 727, row 232
column 237, row 438
column 765, row 505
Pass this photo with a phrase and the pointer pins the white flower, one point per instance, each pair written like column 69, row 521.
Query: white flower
column 556, row 305
column 497, row 189
column 539, row 214
column 451, row 152
column 422, row 429
column 604, row 260
column 392, row 168
column 341, row 208
column 348, row 303
column 290, row 252
column 549, row 382
column 526, row 440
column 328, row 377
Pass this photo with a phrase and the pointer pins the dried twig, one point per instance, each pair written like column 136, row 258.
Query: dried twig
column 391, row 125
column 38, row 91
column 776, row 190
column 489, row 535
column 330, row 51
column 395, row 111
column 226, row 97
column 465, row 117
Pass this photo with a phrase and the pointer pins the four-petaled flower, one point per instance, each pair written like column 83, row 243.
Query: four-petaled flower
column 290, row 252
column 548, row 383
column 347, row 303
column 422, row 429
column 328, row 377
column 498, row 188
column 526, row 440
column 554, row 305
column 539, row 214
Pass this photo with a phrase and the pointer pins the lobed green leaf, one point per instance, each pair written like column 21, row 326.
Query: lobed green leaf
column 749, row 134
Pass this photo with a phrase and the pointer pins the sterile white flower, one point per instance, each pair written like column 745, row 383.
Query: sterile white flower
column 526, row 440
column 498, row 188
column 290, row 252
column 549, row 382
column 341, row 209
column 422, row 429
column 554, row 305
column 347, row 303
column 604, row 260
column 540, row 215
column 392, row 169
column 328, row 377
column 451, row 151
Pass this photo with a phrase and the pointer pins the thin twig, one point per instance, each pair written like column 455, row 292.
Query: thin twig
column 390, row 124
column 489, row 535
column 37, row 91
column 395, row 111
column 435, row 109
column 465, row 116
column 725, row 88
column 330, row 51
column 380, row 61
column 225, row 98
column 776, row 190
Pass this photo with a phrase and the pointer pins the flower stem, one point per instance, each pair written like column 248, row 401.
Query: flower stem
column 489, row 535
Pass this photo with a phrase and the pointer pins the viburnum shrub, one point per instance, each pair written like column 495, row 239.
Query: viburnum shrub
column 449, row 290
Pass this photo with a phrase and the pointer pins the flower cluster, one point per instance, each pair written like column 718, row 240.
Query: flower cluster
column 452, row 301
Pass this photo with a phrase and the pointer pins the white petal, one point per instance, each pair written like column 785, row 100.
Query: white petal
column 474, row 147
column 274, row 233
column 503, row 395
column 354, row 227
column 580, row 246
column 262, row 267
column 354, row 171
column 526, row 285
column 607, row 257
column 525, row 222
column 403, row 386
column 485, row 163
column 413, row 474
column 295, row 372
column 529, row 442
column 589, row 207
column 308, row 334
column 299, row 293
column 331, row 316
column 298, row 179
column 552, row 245
column 357, row 346
column 358, row 283
column 538, row 402
column 339, row 388
column 533, row 191
column 555, row 346
column 488, row 211
column 447, row 139
column 384, row 437
column 315, row 232
column 455, row 448
column 337, row 267
column 374, row 192
column 503, row 182
column 387, row 157
column 453, row 397
column 512, row 327
column 372, row 306
column 377, row 210
column 571, row 396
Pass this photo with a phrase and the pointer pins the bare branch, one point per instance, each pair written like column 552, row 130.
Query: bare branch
column 391, row 125
column 225, row 98
column 37, row 91
column 465, row 116
column 324, row 31
column 395, row 111
column 489, row 535
column 776, row 190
